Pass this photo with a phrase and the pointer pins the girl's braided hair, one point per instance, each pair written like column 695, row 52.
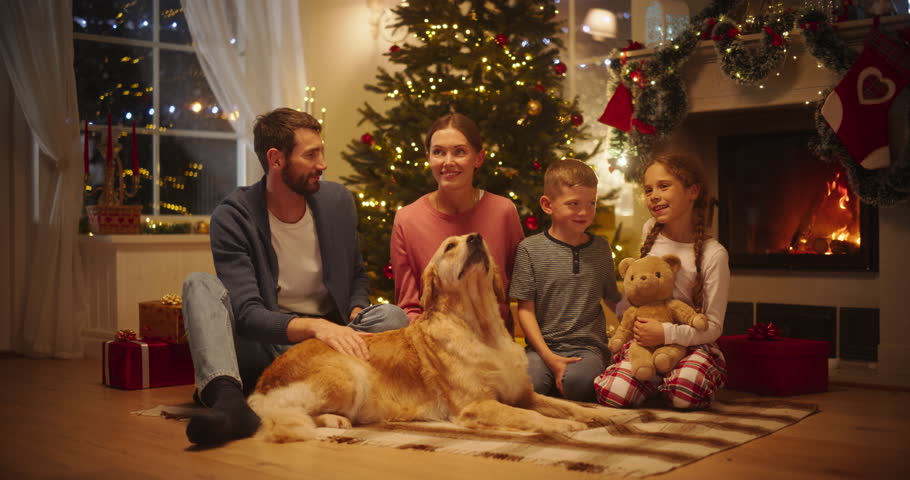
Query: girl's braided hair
column 688, row 169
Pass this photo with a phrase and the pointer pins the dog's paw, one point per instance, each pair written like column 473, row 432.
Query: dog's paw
column 558, row 425
column 332, row 421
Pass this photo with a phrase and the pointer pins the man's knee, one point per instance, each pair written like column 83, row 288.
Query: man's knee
column 380, row 318
column 197, row 282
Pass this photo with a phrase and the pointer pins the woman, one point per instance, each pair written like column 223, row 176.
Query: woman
column 455, row 152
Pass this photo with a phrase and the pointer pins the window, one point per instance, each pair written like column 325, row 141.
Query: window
column 592, row 31
column 134, row 61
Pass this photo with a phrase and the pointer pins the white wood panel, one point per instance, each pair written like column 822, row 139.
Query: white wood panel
column 123, row 270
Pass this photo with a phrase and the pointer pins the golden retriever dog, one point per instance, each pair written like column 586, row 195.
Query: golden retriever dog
column 456, row 363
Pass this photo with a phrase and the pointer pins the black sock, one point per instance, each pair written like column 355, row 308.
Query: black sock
column 229, row 417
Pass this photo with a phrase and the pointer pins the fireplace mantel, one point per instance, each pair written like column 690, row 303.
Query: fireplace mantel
column 801, row 80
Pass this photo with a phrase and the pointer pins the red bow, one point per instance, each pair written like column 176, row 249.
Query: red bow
column 643, row 127
column 126, row 335
column 776, row 39
column 706, row 33
column 764, row 332
column 638, row 76
column 631, row 46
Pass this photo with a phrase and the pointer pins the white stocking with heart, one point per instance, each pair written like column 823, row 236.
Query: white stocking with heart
column 857, row 109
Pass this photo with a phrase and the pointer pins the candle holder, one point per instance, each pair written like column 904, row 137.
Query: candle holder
column 110, row 216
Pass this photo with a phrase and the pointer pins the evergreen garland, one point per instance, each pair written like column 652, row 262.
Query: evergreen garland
column 744, row 66
column 824, row 44
column 661, row 100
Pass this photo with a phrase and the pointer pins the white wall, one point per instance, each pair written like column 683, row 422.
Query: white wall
column 342, row 51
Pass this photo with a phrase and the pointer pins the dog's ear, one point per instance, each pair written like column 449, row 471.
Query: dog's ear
column 430, row 286
column 497, row 282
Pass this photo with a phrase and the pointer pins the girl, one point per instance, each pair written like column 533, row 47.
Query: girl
column 454, row 151
column 677, row 197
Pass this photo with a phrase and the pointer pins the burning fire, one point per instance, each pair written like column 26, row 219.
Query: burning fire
column 841, row 190
column 832, row 214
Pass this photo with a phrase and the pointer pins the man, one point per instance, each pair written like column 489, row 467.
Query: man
column 289, row 268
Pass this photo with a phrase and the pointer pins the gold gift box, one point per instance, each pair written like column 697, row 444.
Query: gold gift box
column 161, row 322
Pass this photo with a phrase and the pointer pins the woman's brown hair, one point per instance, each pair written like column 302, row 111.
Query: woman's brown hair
column 459, row 122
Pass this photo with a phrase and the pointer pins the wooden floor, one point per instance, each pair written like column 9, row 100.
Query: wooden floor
column 58, row 421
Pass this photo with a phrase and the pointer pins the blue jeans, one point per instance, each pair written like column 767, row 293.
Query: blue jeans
column 216, row 348
column 578, row 379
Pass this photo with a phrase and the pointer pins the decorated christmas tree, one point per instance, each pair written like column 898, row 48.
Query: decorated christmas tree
column 496, row 61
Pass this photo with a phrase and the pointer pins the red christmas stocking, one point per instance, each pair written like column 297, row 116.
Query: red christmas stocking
column 618, row 112
column 857, row 109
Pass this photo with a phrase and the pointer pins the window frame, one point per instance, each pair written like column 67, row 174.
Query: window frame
column 156, row 133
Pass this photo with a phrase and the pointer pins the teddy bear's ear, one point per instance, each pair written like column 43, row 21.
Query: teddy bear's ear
column 624, row 265
column 674, row 262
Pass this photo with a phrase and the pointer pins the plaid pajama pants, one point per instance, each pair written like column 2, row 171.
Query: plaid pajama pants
column 691, row 385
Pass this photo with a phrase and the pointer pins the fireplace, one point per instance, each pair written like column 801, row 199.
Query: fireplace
column 783, row 208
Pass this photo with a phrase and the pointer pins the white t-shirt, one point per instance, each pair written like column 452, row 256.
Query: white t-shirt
column 300, row 285
column 715, row 267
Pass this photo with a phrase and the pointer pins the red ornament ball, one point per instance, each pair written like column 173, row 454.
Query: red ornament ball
column 367, row 139
column 537, row 166
column 531, row 222
column 501, row 40
column 560, row 68
column 388, row 271
column 540, row 88
column 577, row 119
column 394, row 48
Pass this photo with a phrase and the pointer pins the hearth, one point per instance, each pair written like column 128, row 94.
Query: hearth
column 783, row 208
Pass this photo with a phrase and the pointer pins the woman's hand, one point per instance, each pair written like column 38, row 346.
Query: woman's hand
column 648, row 332
column 558, row 364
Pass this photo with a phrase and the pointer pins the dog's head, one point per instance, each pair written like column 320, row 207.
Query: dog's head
column 462, row 265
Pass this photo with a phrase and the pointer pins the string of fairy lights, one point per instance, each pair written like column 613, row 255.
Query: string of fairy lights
column 660, row 100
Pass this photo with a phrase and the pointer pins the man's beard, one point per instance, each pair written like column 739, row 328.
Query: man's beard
column 300, row 185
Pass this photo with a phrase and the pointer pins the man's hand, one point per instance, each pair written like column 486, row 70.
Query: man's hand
column 558, row 364
column 343, row 339
column 648, row 332
column 354, row 313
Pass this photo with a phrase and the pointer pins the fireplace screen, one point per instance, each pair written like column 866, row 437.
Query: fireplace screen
column 782, row 207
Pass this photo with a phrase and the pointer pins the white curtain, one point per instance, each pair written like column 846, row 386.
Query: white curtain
column 252, row 56
column 36, row 45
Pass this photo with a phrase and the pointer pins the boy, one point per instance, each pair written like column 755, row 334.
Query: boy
column 559, row 278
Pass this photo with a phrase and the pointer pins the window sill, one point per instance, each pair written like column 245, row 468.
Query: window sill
column 149, row 239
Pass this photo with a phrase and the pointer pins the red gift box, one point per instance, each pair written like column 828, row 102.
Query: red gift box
column 784, row 366
column 135, row 364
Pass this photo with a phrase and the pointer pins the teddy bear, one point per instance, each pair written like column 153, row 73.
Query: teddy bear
column 648, row 284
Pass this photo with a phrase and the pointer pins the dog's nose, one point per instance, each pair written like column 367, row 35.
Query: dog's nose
column 474, row 238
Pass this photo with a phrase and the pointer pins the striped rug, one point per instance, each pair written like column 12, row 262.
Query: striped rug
column 643, row 442
column 640, row 442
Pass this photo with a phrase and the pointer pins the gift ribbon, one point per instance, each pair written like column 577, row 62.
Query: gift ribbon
column 144, row 347
column 764, row 332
